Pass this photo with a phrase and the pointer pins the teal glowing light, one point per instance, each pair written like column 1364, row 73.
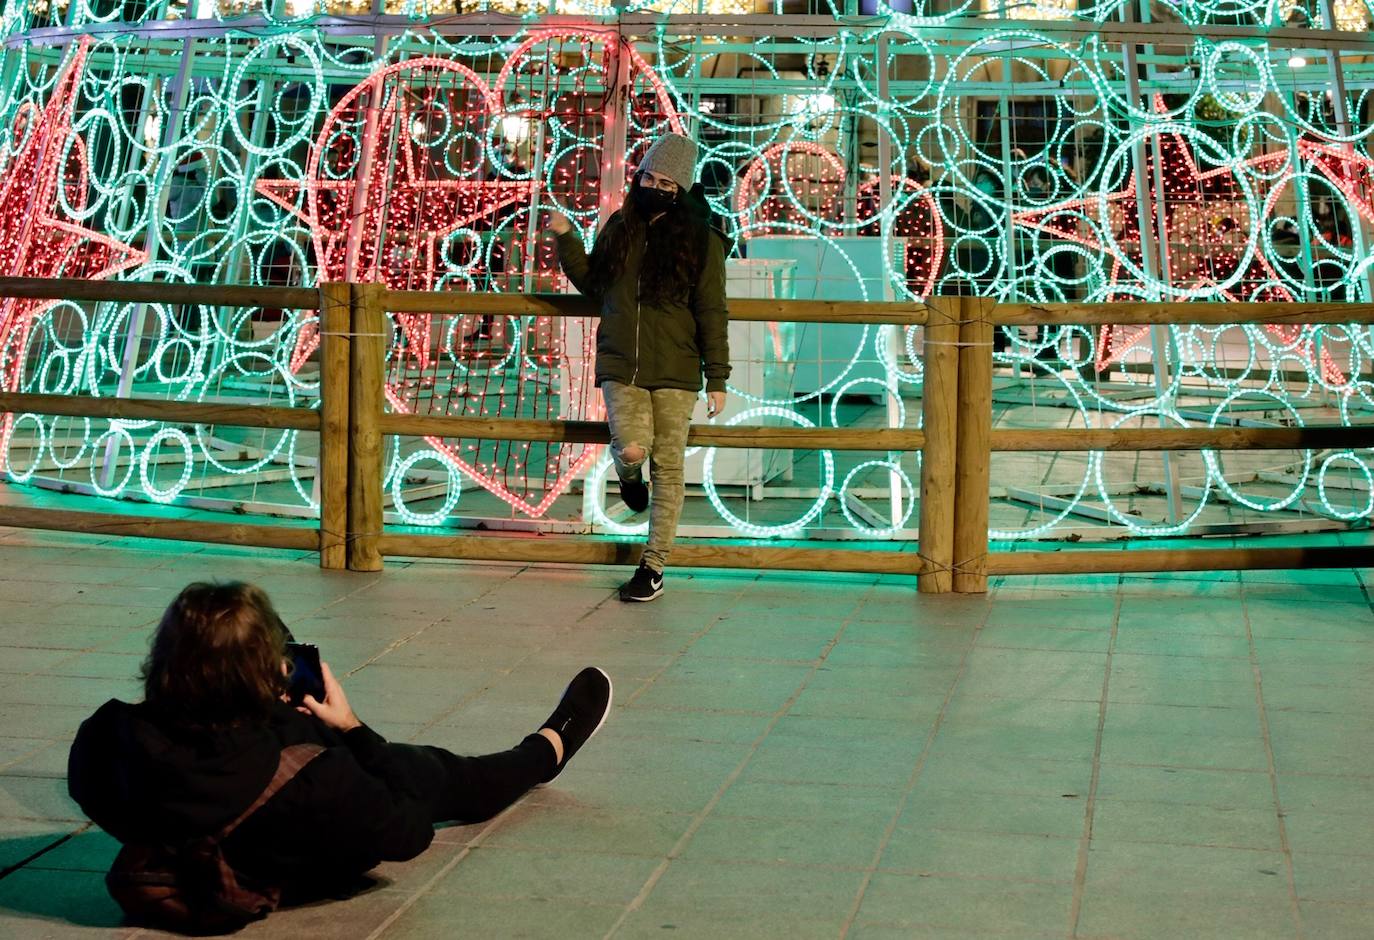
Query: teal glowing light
column 398, row 478
column 781, row 530
column 1009, row 158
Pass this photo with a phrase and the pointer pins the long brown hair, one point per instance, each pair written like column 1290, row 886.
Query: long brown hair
column 216, row 658
column 675, row 254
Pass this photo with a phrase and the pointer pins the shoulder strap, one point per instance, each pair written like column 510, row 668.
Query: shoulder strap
column 292, row 760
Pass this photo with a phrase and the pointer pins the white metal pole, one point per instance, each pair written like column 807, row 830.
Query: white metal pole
column 888, row 221
column 1149, row 204
column 614, row 138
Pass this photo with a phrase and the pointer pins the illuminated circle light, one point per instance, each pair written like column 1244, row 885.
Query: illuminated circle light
column 304, row 488
column 281, row 378
column 68, row 461
column 783, row 530
column 1133, row 524
column 596, row 482
column 159, row 494
column 40, row 439
column 1215, row 467
column 1041, row 372
column 909, row 503
column 885, row 391
column 437, row 516
column 119, row 439
column 1361, row 467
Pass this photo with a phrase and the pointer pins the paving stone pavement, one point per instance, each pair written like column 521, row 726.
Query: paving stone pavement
column 790, row 755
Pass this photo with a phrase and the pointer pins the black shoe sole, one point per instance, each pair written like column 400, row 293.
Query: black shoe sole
column 610, row 699
column 631, row 599
column 630, row 505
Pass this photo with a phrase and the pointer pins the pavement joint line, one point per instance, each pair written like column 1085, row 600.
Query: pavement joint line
column 402, row 641
column 686, row 647
column 442, row 873
column 673, row 660
column 1272, row 768
column 1206, row 767
column 914, row 777
column 1080, row 875
column 16, row 866
column 44, row 746
column 393, row 645
column 700, row 817
column 469, row 698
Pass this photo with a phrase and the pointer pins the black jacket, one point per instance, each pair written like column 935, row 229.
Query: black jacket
column 144, row 781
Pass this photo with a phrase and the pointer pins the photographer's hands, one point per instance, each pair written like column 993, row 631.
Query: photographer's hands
column 334, row 711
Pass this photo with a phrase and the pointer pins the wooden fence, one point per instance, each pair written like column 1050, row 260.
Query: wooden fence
column 957, row 439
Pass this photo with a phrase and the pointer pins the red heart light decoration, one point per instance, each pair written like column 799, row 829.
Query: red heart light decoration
column 414, row 207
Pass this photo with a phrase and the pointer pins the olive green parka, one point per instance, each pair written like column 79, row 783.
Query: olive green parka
column 662, row 344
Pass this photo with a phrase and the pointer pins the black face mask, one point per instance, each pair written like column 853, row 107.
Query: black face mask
column 651, row 202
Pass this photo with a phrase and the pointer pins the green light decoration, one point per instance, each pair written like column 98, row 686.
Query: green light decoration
column 296, row 142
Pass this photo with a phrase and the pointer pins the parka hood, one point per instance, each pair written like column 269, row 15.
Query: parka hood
column 145, row 780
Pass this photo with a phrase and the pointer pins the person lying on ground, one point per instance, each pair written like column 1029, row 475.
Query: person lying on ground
column 170, row 777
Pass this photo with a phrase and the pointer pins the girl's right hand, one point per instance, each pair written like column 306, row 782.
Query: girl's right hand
column 558, row 222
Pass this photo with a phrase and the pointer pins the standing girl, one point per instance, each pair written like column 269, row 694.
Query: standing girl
column 658, row 271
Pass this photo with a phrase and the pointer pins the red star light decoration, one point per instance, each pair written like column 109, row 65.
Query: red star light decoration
column 36, row 239
column 1348, row 171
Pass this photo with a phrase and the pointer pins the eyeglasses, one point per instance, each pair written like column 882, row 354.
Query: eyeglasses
column 651, row 181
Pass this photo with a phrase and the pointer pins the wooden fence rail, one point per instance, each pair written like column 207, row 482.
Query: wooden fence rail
column 1205, row 314
column 160, row 292
column 595, row 432
column 957, row 439
column 1142, row 439
column 1123, row 561
column 160, row 409
column 574, row 305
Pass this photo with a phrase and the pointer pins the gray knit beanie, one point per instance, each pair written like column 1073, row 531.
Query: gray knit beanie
column 673, row 156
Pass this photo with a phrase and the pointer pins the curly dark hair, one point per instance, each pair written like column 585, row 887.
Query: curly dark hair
column 676, row 248
column 217, row 655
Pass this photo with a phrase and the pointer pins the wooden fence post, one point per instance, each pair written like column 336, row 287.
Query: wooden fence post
column 335, row 319
column 365, row 393
column 973, row 452
column 939, row 404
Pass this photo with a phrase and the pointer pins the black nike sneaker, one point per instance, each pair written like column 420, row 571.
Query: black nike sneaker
column 635, row 494
column 646, row 585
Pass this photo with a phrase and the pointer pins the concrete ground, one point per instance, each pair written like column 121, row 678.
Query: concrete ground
column 789, row 755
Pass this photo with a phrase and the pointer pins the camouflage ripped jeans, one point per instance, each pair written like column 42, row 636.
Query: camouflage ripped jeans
column 657, row 420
